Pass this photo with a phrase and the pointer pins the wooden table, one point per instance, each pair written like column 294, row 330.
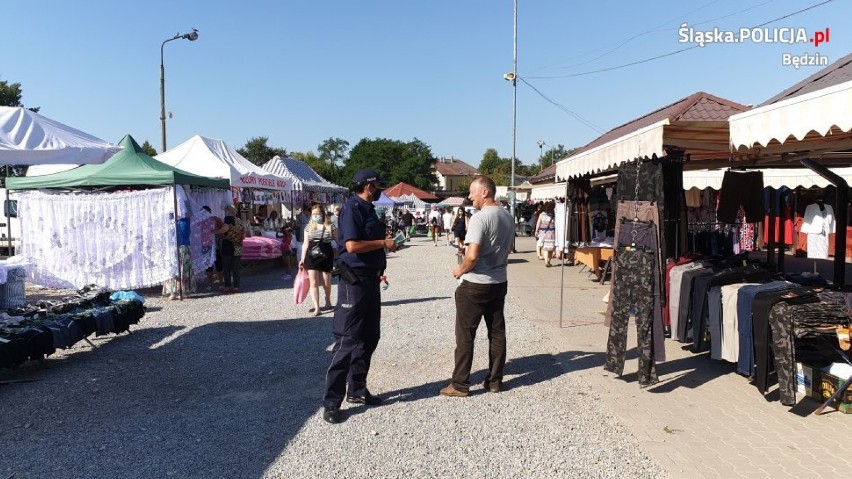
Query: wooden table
column 591, row 256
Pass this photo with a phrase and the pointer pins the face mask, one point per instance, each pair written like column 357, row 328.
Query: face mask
column 318, row 219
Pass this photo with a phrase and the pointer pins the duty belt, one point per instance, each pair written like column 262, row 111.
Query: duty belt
column 367, row 272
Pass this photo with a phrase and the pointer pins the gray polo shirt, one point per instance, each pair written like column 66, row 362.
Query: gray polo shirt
column 492, row 228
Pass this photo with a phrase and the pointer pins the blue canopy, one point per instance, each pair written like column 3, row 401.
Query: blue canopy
column 384, row 202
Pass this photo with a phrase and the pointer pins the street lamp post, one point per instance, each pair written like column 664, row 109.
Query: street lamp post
column 191, row 36
column 541, row 155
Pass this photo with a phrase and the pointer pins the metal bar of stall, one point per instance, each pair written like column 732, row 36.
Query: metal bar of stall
column 842, row 204
column 782, row 220
column 770, row 242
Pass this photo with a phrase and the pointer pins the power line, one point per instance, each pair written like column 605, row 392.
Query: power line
column 673, row 52
column 574, row 114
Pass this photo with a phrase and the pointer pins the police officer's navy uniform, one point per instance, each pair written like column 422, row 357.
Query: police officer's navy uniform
column 356, row 320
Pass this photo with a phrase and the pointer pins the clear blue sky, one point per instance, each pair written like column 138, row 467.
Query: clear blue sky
column 301, row 72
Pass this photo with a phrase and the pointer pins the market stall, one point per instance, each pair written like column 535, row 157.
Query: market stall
column 250, row 184
column 114, row 224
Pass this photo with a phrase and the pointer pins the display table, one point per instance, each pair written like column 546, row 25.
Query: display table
column 592, row 256
column 258, row 247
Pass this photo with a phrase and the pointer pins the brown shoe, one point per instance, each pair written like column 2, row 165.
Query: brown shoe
column 453, row 392
column 492, row 387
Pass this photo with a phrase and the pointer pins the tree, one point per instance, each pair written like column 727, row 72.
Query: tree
column 258, row 152
column 10, row 95
column 500, row 169
column 333, row 151
column 148, row 148
column 394, row 160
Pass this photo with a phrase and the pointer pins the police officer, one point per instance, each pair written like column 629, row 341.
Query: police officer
column 356, row 320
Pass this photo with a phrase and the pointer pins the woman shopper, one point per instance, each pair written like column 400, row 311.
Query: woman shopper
column 318, row 234
column 460, row 228
column 545, row 231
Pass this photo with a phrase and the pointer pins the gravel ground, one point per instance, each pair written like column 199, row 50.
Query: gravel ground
column 230, row 386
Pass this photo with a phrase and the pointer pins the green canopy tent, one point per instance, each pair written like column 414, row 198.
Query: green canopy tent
column 129, row 167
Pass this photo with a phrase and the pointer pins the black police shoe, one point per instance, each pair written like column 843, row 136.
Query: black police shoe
column 367, row 399
column 331, row 414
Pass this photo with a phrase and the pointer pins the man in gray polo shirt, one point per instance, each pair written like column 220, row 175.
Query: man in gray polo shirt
column 482, row 292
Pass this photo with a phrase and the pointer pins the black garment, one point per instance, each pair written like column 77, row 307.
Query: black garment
column 326, row 264
column 358, row 222
column 407, row 219
column 228, row 245
column 651, row 188
column 357, row 329
column 686, row 308
column 760, row 308
column 746, row 274
column 741, row 189
column 459, row 228
column 231, row 270
column 357, row 319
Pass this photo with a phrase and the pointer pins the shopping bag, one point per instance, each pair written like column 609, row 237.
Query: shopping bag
column 301, row 285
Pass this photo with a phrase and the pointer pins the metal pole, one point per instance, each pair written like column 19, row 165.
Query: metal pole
column 163, row 97
column 564, row 248
column 8, row 217
column 177, row 243
column 514, row 102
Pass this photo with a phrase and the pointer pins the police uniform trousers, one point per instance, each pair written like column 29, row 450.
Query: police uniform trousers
column 356, row 330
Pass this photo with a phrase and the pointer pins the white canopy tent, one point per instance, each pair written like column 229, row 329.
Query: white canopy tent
column 820, row 111
column 304, row 177
column 27, row 138
column 216, row 159
column 772, row 177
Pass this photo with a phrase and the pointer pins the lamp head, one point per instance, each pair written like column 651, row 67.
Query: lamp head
column 509, row 76
column 191, row 36
column 540, row 143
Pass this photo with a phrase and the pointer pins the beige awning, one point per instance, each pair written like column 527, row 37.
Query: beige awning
column 818, row 111
column 775, row 177
column 642, row 143
column 547, row 192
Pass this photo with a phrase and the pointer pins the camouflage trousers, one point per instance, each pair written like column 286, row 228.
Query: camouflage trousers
column 781, row 325
column 634, row 290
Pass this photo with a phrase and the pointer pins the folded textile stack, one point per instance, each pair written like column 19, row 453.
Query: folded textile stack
column 257, row 248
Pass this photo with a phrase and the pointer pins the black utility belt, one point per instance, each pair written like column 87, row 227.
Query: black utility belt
column 367, row 272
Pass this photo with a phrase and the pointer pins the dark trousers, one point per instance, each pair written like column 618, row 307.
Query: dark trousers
column 473, row 302
column 231, row 270
column 741, row 189
column 635, row 289
column 357, row 330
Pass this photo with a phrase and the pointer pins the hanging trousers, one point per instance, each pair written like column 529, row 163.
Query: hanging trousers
column 644, row 234
column 651, row 188
column 645, row 211
column 637, row 265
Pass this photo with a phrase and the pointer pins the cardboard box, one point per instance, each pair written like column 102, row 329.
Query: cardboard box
column 828, row 385
column 805, row 380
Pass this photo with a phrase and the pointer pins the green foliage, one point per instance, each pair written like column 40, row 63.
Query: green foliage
column 258, row 152
column 148, row 148
column 333, row 152
column 500, row 169
column 10, row 95
column 395, row 160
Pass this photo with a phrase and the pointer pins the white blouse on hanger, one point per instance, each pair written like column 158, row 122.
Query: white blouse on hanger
column 818, row 224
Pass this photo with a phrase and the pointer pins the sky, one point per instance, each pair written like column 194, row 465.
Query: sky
column 300, row 72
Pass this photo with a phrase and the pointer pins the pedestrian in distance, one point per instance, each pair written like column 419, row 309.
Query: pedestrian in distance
column 357, row 319
column 482, row 291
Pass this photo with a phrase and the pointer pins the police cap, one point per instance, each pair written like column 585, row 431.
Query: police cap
column 367, row 175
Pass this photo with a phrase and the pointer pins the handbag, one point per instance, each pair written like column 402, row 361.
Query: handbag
column 317, row 254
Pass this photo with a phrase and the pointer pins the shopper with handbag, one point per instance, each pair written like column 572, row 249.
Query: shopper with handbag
column 318, row 256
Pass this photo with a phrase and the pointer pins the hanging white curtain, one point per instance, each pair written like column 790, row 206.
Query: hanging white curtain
column 121, row 240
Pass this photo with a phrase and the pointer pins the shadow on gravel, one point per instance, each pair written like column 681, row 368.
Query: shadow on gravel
column 413, row 300
column 527, row 371
column 218, row 400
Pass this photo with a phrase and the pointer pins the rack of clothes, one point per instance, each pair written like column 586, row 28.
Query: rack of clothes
column 35, row 331
column 742, row 312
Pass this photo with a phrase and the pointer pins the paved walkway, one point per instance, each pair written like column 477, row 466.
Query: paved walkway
column 702, row 419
